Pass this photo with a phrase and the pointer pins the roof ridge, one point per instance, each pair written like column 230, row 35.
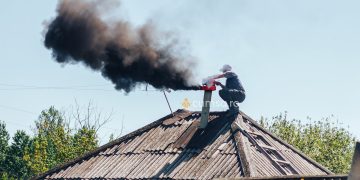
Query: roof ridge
column 257, row 125
column 241, row 149
column 109, row 144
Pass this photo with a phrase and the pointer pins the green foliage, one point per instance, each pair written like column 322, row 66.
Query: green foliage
column 4, row 140
column 37, row 159
column 53, row 143
column 16, row 165
column 85, row 140
column 323, row 141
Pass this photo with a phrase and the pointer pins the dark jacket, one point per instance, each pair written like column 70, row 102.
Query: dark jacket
column 233, row 82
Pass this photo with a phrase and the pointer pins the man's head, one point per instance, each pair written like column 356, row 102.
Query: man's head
column 226, row 68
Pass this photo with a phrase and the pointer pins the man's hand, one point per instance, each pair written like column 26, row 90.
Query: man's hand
column 219, row 84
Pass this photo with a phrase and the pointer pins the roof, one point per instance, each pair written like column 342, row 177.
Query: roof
column 297, row 177
column 231, row 146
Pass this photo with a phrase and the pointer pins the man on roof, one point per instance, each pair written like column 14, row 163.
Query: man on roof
column 232, row 92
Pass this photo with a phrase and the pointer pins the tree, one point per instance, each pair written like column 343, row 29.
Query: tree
column 88, row 117
column 323, row 141
column 52, row 143
column 36, row 156
column 85, row 140
column 55, row 142
column 16, row 165
column 4, row 140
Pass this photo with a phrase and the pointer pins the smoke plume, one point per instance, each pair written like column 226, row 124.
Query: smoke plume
column 126, row 55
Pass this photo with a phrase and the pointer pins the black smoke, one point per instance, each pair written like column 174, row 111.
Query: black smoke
column 126, row 55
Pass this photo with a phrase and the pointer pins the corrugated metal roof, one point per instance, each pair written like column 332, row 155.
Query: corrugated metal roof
column 296, row 177
column 173, row 147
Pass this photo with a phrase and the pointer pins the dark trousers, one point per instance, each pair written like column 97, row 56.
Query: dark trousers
column 232, row 96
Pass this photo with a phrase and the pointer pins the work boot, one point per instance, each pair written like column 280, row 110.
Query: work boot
column 233, row 110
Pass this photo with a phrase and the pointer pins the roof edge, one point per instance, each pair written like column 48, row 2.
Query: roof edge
column 107, row 145
column 287, row 144
column 296, row 177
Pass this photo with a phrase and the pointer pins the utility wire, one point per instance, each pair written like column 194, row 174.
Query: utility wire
column 53, row 88
column 20, row 87
column 29, row 112
column 13, row 123
column 79, row 87
column 16, row 109
column 36, row 86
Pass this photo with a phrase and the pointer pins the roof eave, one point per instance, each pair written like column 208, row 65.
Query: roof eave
column 105, row 146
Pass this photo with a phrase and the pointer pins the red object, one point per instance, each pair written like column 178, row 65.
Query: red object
column 208, row 88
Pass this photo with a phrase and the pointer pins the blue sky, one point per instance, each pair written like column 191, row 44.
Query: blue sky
column 295, row 56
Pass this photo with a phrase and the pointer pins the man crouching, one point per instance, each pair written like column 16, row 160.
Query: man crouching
column 233, row 92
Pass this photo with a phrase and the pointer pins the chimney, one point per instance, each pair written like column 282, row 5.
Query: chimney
column 208, row 89
column 355, row 167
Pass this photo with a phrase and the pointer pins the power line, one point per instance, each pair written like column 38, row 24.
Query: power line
column 20, row 87
column 53, row 88
column 11, row 87
column 29, row 112
column 36, row 86
column 16, row 124
column 16, row 109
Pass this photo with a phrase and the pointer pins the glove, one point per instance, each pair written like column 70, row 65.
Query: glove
column 217, row 83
